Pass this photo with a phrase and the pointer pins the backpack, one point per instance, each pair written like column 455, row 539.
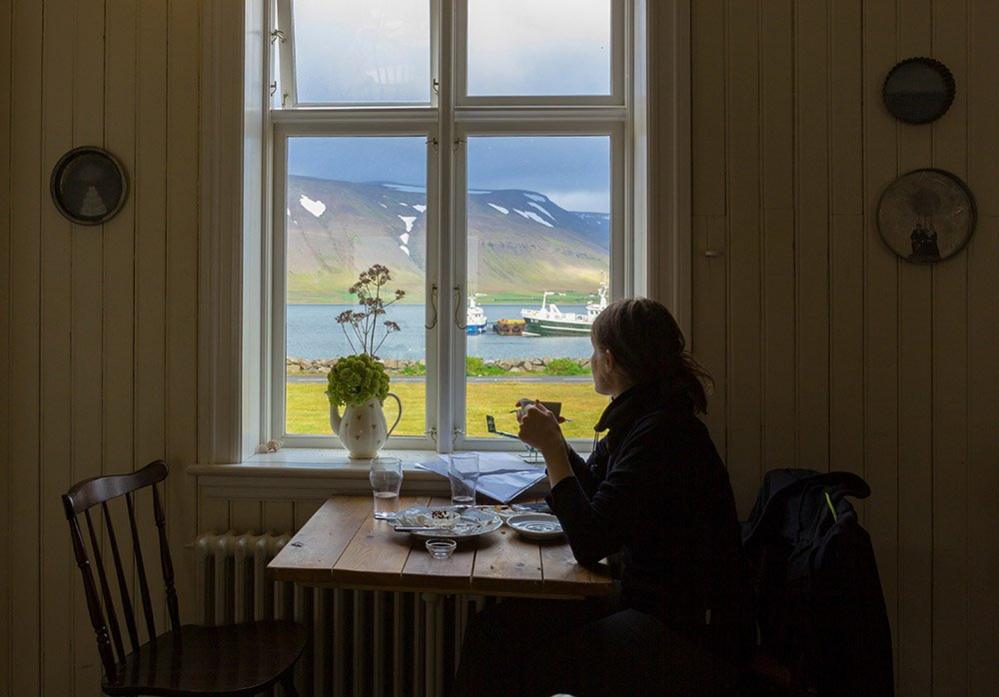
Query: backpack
column 821, row 613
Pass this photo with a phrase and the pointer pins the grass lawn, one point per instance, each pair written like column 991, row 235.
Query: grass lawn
column 308, row 409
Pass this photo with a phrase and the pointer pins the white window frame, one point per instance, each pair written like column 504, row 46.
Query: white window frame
column 450, row 126
column 421, row 125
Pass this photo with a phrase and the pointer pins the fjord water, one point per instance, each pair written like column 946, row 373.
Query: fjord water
column 314, row 333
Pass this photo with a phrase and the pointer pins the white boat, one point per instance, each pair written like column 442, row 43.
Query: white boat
column 548, row 320
column 475, row 317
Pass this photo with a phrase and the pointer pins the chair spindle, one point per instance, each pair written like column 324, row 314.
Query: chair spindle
column 112, row 617
column 93, row 602
column 147, row 603
column 126, row 601
column 165, row 561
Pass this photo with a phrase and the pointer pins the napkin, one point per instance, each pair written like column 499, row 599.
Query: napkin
column 502, row 476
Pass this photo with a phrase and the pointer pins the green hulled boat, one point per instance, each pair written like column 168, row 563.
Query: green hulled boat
column 548, row 320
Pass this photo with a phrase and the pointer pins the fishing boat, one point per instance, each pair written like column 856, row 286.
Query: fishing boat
column 549, row 320
column 475, row 318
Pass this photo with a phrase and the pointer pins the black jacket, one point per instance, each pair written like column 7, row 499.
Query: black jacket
column 822, row 612
column 655, row 491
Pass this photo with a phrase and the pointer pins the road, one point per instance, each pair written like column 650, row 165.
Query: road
column 491, row 378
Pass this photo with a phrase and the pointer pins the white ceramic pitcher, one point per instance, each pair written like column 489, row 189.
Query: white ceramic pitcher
column 362, row 427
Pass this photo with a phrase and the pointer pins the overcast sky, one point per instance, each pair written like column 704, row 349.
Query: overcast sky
column 375, row 50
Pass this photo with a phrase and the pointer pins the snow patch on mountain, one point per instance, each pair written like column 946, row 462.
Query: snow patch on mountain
column 531, row 215
column 535, row 197
column 404, row 248
column 406, row 188
column 408, row 221
column 501, row 209
column 541, row 208
column 404, row 237
column 317, row 208
column 419, row 207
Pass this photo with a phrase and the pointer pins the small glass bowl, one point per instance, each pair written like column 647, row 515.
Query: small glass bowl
column 441, row 549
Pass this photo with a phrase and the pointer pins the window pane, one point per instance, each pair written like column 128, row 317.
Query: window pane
column 538, row 267
column 354, row 202
column 539, row 47
column 374, row 51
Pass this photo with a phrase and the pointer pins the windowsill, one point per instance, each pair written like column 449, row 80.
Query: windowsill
column 315, row 462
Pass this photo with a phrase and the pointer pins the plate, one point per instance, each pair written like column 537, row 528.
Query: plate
column 452, row 523
column 536, row 526
column 503, row 512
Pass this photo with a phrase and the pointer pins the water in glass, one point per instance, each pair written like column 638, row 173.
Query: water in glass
column 463, row 471
column 386, row 480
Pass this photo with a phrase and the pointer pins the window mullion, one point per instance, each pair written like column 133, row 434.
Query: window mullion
column 445, row 278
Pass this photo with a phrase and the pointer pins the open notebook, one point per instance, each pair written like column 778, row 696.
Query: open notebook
column 502, row 476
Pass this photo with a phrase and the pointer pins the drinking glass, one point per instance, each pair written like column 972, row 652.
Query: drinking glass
column 463, row 471
column 386, row 480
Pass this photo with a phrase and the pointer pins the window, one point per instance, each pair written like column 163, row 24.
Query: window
column 480, row 150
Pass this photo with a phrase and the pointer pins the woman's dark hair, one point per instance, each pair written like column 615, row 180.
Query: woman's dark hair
column 647, row 343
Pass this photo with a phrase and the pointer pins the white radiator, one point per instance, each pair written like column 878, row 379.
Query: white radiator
column 362, row 642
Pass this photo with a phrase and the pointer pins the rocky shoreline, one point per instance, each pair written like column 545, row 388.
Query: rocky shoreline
column 320, row 366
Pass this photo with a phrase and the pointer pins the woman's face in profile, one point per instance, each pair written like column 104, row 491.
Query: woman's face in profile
column 601, row 369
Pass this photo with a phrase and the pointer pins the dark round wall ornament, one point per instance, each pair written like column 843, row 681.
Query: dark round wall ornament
column 919, row 90
column 926, row 216
column 88, row 185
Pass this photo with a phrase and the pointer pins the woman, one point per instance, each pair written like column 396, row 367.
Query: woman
column 655, row 498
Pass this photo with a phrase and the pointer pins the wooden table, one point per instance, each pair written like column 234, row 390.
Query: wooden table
column 343, row 546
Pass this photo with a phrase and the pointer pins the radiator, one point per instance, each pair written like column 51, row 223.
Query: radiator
column 361, row 642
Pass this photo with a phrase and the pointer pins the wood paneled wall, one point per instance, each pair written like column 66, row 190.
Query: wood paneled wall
column 99, row 324
column 829, row 352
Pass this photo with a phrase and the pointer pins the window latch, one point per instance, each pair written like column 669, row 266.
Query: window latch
column 434, row 143
column 277, row 34
column 458, row 309
column 433, row 304
column 432, row 433
column 455, row 435
column 273, row 88
column 436, row 86
column 457, row 144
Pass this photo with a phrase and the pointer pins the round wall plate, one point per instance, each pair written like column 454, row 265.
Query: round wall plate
column 88, row 185
column 919, row 90
column 926, row 216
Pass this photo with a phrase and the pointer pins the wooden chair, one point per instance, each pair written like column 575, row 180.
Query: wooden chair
column 241, row 659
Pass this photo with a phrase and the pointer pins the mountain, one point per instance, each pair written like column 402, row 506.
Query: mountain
column 519, row 242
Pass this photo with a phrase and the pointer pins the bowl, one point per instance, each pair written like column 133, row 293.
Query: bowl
column 441, row 549
column 536, row 526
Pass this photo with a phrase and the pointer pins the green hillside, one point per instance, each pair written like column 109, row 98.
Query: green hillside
column 520, row 243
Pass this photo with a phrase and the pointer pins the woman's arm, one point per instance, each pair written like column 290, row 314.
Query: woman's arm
column 597, row 525
column 581, row 468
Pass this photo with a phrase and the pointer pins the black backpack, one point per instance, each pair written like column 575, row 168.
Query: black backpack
column 821, row 611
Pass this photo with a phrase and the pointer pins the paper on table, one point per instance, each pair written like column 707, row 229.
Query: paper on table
column 502, row 476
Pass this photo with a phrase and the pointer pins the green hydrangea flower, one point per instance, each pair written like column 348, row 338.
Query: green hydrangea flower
column 356, row 379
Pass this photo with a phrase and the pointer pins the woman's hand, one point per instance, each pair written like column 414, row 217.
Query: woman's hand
column 539, row 428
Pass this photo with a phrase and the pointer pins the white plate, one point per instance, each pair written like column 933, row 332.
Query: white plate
column 452, row 523
column 536, row 526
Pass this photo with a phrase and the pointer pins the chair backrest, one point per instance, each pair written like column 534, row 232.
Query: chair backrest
column 98, row 492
